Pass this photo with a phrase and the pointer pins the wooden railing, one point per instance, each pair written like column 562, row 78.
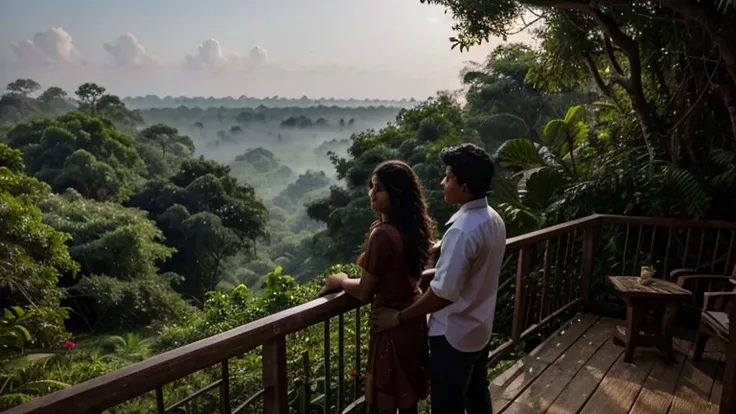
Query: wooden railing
column 547, row 275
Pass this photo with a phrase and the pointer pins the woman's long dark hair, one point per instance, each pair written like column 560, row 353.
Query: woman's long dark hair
column 408, row 212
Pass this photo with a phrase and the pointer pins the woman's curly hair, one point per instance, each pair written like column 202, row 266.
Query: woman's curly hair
column 408, row 212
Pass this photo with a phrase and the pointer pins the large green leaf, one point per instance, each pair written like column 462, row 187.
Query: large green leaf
column 565, row 135
column 542, row 186
column 520, row 153
column 693, row 199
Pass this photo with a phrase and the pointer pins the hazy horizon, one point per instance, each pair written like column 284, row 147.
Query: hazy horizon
column 382, row 49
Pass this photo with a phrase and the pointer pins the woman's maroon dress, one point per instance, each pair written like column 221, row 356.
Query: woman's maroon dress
column 398, row 359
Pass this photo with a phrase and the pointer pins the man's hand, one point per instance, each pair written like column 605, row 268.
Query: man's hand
column 333, row 283
column 384, row 319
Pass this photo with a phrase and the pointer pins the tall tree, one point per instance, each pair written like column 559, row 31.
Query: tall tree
column 23, row 87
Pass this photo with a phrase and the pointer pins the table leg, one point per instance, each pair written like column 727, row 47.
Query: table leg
column 668, row 330
column 632, row 330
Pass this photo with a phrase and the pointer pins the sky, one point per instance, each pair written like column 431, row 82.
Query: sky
column 375, row 49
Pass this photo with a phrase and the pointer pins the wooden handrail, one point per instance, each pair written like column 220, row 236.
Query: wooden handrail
column 97, row 394
column 108, row 390
column 528, row 239
column 665, row 222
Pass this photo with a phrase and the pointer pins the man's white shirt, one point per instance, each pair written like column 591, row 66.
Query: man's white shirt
column 467, row 274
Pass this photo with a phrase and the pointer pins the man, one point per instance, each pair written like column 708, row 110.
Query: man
column 462, row 296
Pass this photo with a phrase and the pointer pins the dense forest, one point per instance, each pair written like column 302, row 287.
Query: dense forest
column 139, row 225
column 153, row 101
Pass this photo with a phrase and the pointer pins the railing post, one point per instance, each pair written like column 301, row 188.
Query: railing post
column 274, row 376
column 587, row 268
column 522, row 268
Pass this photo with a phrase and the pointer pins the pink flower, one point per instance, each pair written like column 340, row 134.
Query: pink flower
column 353, row 373
column 69, row 345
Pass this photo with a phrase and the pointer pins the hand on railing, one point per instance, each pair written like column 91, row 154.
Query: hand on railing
column 333, row 284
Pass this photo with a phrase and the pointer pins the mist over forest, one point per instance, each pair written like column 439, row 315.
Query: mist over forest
column 133, row 226
column 284, row 152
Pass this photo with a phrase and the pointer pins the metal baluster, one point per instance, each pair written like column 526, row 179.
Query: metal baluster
column 358, row 343
column 306, row 397
column 160, row 400
column 626, row 248
column 715, row 251
column 543, row 308
column 651, row 245
column 225, row 389
column 558, row 275
column 727, row 269
column 636, row 252
column 327, row 367
column 700, row 248
column 667, row 252
column 340, row 362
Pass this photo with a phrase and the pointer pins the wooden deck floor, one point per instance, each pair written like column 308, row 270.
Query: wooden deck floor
column 580, row 370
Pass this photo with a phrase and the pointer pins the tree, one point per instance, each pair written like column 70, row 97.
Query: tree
column 33, row 256
column 89, row 94
column 53, row 93
column 120, row 251
column 590, row 36
column 235, row 218
column 82, row 152
column 168, row 138
column 23, row 87
column 416, row 137
column 664, row 73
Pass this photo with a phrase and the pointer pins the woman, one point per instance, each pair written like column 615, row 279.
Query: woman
column 396, row 254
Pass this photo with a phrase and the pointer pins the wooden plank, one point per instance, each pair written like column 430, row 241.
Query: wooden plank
column 631, row 285
column 659, row 388
column 545, row 389
column 716, row 390
column 566, row 336
column 694, row 387
column 512, row 382
column 621, row 384
column 585, row 382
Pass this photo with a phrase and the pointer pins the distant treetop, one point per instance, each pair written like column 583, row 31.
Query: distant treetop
column 153, row 101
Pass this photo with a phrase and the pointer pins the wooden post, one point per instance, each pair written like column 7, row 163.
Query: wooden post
column 522, row 268
column 727, row 404
column 274, row 376
column 587, row 268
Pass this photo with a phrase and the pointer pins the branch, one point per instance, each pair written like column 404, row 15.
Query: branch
column 721, row 27
column 610, row 54
column 605, row 88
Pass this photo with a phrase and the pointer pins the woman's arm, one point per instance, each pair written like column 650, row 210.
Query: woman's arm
column 362, row 288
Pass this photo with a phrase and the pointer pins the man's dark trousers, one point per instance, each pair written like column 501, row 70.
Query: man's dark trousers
column 459, row 379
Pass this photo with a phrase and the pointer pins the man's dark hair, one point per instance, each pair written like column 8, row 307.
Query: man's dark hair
column 471, row 165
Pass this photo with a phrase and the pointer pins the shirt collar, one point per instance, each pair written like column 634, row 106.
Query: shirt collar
column 470, row 205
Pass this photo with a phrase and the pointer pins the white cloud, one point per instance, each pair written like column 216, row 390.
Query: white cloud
column 128, row 52
column 54, row 46
column 257, row 57
column 212, row 55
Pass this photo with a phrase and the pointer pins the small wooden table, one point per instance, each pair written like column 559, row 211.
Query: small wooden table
column 650, row 314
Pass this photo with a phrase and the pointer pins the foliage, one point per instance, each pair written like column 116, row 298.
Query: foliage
column 33, row 255
column 81, row 152
column 417, row 136
column 667, row 84
column 207, row 215
column 624, row 108
column 119, row 250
